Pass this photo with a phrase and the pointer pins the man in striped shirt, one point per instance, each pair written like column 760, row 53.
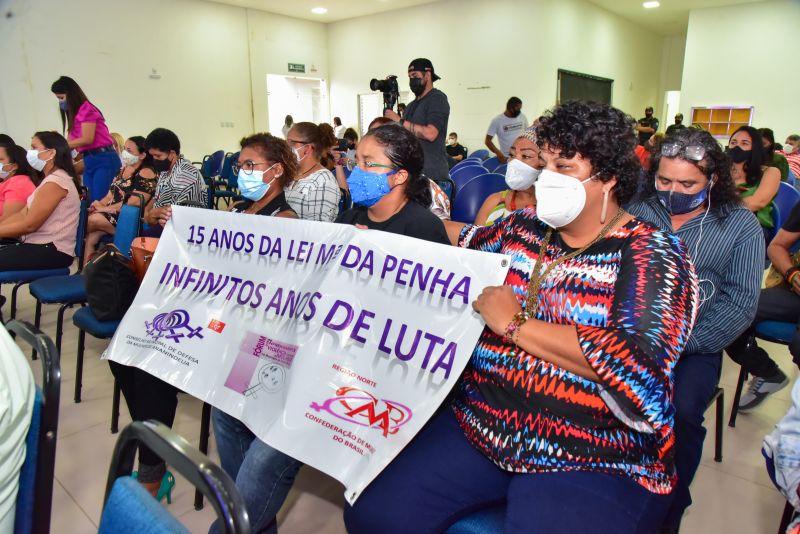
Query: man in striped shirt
column 693, row 195
column 791, row 149
column 179, row 182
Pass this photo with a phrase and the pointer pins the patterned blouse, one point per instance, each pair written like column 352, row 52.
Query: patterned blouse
column 633, row 299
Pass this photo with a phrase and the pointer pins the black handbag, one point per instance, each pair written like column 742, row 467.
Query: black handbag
column 110, row 282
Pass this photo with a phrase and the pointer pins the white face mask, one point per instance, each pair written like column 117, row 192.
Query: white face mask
column 297, row 153
column 451, row 141
column 129, row 159
column 788, row 149
column 520, row 176
column 33, row 159
column 559, row 198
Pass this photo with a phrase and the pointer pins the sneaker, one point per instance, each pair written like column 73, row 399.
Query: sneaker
column 760, row 388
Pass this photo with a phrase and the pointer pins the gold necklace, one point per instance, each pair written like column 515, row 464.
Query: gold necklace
column 538, row 275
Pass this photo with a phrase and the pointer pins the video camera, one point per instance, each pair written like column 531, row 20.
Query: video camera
column 389, row 88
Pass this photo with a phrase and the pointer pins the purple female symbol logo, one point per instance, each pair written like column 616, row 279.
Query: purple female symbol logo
column 170, row 324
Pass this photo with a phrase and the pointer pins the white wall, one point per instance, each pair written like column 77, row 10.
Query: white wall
column 213, row 60
column 515, row 47
column 741, row 56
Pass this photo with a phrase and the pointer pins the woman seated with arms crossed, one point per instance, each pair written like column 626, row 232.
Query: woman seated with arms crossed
column 565, row 411
column 42, row 234
column 136, row 177
column 391, row 195
column 521, row 173
column 18, row 180
column 758, row 184
column 313, row 193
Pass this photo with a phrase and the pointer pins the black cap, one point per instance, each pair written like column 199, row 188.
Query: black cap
column 422, row 65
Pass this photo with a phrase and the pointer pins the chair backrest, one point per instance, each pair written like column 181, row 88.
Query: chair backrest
column 345, row 200
column 492, row 163
column 791, row 179
column 470, row 196
column 127, row 227
column 785, row 201
column 184, row 459
column 207, row 167
column 217, row 159
column 469, row 162
column 35, row 497
column 230, row 176
column 482, row 154
column 83, row 219
column 465, row 174
column 130, row 509
column 501, row 169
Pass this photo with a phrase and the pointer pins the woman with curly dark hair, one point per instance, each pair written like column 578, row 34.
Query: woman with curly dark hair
column 389, row 191
column 564, row 413
column 692, row 193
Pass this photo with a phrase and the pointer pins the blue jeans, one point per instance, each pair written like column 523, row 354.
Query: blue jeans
column 99, row 170
column 696, row 379
column 440, row 477
column 263, row 475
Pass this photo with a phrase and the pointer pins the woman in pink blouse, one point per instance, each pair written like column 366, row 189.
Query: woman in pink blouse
column 86, row 130
column 42, row 234
column 17, row 180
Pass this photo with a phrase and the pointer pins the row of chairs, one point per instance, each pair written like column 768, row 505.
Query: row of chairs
column 128, row 508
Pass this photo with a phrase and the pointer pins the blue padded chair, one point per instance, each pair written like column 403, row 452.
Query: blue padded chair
column 36, row 478
column 791, row 179
column 469, row 162
column 228, row 185
column 465, row 174
column 482, row 154
column 85, row 320
column 69, row 290
column 129, row 509
column 492, row 163
column 501, row 169
column 345, row 200
column 470, row 196
column 20, row 278
column 785, row 200
column 773, row 331
column 486, row 521
column 449, row 187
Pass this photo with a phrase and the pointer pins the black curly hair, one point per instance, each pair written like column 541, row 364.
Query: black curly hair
column 599, row 133
column 715, row 165
column 405, row 152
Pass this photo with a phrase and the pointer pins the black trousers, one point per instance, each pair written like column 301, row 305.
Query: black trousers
column 774, row 304
column 25, row 256
column 147, row 397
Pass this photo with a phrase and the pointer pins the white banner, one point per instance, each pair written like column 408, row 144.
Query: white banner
column 332, row 344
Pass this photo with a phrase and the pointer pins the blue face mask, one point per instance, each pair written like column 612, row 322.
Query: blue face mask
column 62, row 104
column 680, row 203
column 252, row 185
column 367, row 188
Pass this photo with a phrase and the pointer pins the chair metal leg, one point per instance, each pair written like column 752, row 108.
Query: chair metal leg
column 60, row 325
column 719, row 426
column 115, row 408
column 736, row 396
column 79, row 364
column 13, row 313
column 37, row 321
column 205, row 430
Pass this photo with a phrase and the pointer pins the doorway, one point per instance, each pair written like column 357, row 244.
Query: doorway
column 305, row 99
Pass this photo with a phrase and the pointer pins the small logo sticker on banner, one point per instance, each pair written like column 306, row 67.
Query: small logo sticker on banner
column 216, row 326
column 169, row 325
column 357, row 406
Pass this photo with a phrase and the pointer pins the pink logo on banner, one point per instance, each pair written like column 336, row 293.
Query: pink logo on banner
column 357, row 406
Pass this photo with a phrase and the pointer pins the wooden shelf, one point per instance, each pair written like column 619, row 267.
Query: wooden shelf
column 722, row 121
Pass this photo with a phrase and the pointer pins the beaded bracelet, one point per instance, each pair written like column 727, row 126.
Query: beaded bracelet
column 791, row 272
column 513, row 327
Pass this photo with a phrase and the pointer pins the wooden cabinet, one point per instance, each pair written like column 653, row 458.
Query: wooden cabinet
column 722, row 121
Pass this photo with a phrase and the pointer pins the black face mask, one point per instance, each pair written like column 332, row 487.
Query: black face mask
column 417, row 85
column 161, row 165
column 738, row 155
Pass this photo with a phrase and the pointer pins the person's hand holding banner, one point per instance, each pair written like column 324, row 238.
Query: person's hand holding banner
column 332, row 344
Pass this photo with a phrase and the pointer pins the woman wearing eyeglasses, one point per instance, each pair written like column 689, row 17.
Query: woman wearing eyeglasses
column 564, row 413
column 691, row 193
column 266, row 165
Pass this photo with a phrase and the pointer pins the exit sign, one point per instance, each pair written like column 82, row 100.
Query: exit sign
column 297, row 67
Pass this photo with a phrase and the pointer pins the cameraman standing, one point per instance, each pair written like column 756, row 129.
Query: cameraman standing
column 426, row 117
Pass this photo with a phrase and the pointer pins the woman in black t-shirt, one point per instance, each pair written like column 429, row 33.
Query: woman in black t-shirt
column 266, row 165
column 389, row 191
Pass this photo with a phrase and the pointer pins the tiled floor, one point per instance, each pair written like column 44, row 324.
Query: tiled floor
column 734, row 496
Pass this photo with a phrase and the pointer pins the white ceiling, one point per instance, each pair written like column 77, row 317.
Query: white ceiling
column 337, row 9
column 669, row 19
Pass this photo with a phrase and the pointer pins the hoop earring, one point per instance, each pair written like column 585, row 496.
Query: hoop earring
column 604, row 211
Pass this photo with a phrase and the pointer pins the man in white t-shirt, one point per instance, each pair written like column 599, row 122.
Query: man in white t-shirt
column 507, row 127
column 16, row 406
